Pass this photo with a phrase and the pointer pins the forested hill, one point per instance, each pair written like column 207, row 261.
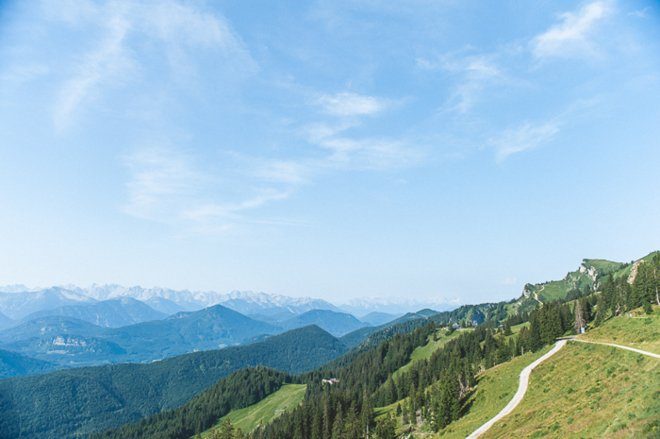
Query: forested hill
column 13, row 364
column 587, row 279
column 79, row 401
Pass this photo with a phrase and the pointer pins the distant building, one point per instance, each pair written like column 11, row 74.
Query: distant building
column 330, row 381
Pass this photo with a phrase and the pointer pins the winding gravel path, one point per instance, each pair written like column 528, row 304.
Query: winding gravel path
column 628, row 348
column 522, row 388
column 524, row 379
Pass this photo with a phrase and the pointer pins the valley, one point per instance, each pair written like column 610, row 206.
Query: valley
column 432, row 374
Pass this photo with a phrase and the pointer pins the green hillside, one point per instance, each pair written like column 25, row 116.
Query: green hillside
column 435, row 342
column 635, row 329
column 249, row 418
column 579, row 282
column 495, row 388
column 590, row 391
column 50, row 405
column 14, row 364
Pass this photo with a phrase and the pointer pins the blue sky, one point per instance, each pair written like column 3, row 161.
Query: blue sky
column 339, row 149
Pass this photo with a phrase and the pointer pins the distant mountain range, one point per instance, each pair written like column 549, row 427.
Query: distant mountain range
column 111, row 313
column 394, row 306
column 18, row 301
column 71, row 342
column 19, row 304
column 72, row 326
column 336, row 323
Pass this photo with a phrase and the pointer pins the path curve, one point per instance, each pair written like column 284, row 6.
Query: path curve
column 522, row 389
column 628, row 348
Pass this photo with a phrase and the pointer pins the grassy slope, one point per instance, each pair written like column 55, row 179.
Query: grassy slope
column 425, row 352
column 495, row 388
column 590, row 391
column 248, row 418
column 637, row 330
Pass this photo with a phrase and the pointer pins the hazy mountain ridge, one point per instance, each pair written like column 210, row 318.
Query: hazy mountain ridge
column 18, row 301
column 14, row 364
column 17, row 305
column 72, row 342
column 336, row 323
column 111, row 313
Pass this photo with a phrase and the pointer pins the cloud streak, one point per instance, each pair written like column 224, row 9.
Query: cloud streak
column 524, row 138
column 175, row 27
column 351, row 104
column 571, row 36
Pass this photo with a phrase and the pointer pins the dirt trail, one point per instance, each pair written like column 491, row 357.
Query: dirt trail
column 522, row 389
column 526, row 372
column 628, row 348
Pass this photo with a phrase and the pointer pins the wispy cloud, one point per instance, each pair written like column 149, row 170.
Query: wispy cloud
column 161, row 178
column 571, row 36
column 282, row 171
column 352, row 104
column 523, row 138
column 341, row 150
column 176, row 26
column 106, row 61
column 475, row 74
column 169, row 185
column 370, row 153
column 227, row 211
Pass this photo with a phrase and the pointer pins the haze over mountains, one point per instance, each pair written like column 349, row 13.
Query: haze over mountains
column 62, row 327
column 70, row 326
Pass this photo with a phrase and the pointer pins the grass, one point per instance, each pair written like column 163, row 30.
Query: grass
column 495, row 388
column 588, row 391
column 425, row 352
column 636, row 329
column 604, row 266
column 249, row 418
column 554, row 290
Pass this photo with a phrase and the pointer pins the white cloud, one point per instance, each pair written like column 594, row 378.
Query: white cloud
column 476, row 73
column 170, row 186
column 344, row 151
column 571, row 36
column 176, row 26
column 106, row 61
column 523, row 138
column 352, row 104
column 161, row 179
column 228, row 211
column 283, row 171
column 368, row 153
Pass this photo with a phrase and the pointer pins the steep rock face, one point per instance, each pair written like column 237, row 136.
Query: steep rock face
column 633, row 272
column 586, row 278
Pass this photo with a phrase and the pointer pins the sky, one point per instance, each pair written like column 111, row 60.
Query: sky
column 444, row 150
